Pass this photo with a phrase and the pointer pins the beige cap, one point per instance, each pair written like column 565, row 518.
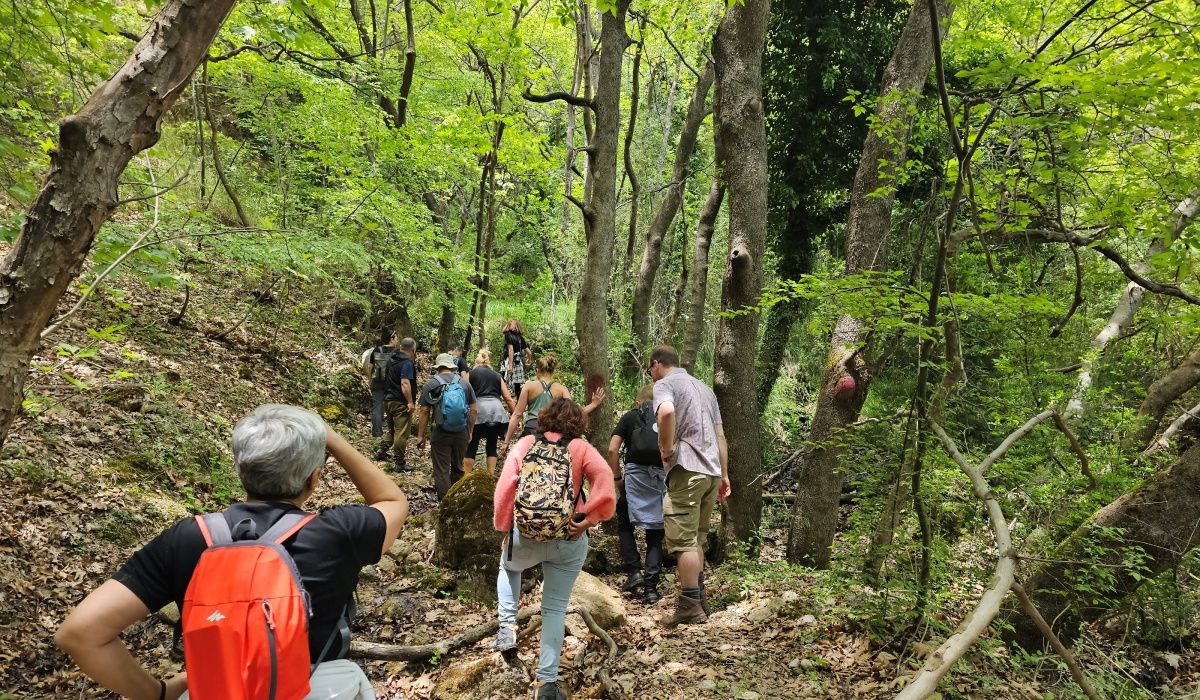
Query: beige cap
column 445, row 360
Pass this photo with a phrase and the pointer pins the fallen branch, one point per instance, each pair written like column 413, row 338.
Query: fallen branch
column 1077, row 448
column 422, row 652
column 1176, row 425
column 1063, row 652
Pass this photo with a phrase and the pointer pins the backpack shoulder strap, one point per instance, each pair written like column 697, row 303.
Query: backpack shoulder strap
column 285, row 527
column 214, row 528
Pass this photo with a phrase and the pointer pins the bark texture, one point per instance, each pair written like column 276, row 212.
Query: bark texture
column 741, row 145
column 815, row 510
column 591, row 310
column 698, row 284
column 643, row 290
column 120, row 119
column 1159, row 521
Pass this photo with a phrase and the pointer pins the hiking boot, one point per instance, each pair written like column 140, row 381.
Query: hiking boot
column 506, row 638
column 381, row 456
column 401, row 466
column 688, row 611
column 633, row 582
column 650, row 590
column 550, row 691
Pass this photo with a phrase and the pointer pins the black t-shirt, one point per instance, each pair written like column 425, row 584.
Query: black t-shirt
column 631, row 421
column 328, row 551
column 486, row 382
column 517, row 341
column 400, row 368
column 461, row 364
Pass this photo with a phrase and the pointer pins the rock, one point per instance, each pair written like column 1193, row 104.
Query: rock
column 482, row 678
column 386, row 565
column 599, row 599
column 762, row 614
column 790, row 596
column 808, row 620
column 464, row 523
column 169, row 614
column 398, row 549
column 707, row 684
column 748, row 695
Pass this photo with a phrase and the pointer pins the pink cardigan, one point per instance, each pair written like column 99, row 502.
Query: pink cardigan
column 585, row 461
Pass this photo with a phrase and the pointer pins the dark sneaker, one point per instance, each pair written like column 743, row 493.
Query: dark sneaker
column 506, row 638
column 651, row 595
column 381, row 456
column 688, row 611
column 401, row 466
column 633, row 582
column 550, row 691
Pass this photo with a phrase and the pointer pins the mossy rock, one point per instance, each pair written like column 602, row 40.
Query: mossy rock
column 464, row 523
column 332, row 412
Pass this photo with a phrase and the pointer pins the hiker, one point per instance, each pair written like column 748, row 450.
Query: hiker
column 374, row 365
column 640, row 488
column 399, row 404
column 516, row 356
column 456, row 351
column 451, row 400
column 491, row 417
column 693, row 449
column 280, row 454
column 542, row 471
column 537, row 394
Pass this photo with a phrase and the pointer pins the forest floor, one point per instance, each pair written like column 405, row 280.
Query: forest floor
column 127, row 428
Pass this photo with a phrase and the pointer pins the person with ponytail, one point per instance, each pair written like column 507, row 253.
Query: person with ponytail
column 492, row 395
column 538, row 394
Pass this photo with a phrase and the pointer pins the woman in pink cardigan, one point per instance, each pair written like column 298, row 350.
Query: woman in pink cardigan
column 562, row 559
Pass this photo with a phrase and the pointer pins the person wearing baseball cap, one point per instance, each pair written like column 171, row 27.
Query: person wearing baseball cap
column 451, row 401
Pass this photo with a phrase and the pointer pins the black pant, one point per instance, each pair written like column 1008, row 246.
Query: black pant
column 491, row 433
column 630, row 558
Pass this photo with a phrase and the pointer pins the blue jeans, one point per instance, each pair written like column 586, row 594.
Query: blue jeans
column 561, row 561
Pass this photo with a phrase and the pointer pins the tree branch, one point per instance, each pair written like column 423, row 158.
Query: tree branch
column 422, row 652
column 564, row 96
column 1059, row 648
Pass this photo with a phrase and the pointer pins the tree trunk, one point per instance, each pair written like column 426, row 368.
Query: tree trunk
column 410, row 64
column 1156, row 521
column 815, row 510
column 652, row 253
column 591, row 310
column 120, row 119
column 698, row 289
column 216, row 157
column 635, row 186
column 741, row 144
column 1164, row 392
column 1127, row 307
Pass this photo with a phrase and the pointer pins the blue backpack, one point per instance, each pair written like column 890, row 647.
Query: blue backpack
column 453, row 405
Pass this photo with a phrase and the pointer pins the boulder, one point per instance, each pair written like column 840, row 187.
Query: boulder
column 465, row 540
column 599, row 599
column 487, row 677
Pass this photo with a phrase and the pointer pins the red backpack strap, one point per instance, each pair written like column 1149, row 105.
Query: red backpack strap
column 285, row 527
column 214, row 528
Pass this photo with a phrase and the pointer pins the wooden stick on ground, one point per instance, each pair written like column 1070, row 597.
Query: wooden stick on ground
column 1059, row 648
column 421, row 652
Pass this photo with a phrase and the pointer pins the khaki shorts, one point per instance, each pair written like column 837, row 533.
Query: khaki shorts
column 687, row 509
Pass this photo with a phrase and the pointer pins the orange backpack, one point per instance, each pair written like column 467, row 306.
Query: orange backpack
column 245, row 616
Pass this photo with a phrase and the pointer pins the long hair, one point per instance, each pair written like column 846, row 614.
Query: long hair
column 483, row 358
column 564, row 416
column 511, row 324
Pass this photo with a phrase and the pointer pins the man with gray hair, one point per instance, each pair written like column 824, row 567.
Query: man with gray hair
column 280, row 454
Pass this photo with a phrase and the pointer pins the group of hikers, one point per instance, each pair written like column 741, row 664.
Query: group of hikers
column 266, row 590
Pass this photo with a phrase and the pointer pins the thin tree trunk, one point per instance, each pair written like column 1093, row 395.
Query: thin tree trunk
column 643, row 290
column 741, row 145
column 815, row 510
column 698, row 289
column 120, row 119
column 569, row 165
column 1127, row 307
column 635, row 188
column 1155, row 523
column 410, row 65
column 216, row 156
column 681, row 285
column 591, row 310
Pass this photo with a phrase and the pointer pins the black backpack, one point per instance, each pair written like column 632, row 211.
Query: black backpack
column 642, row 447
column 380, row 358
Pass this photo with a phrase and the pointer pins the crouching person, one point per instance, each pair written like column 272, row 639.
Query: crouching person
column 265, row 589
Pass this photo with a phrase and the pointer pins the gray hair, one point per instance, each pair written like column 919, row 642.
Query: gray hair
column 276, row 448
column 408, row 345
